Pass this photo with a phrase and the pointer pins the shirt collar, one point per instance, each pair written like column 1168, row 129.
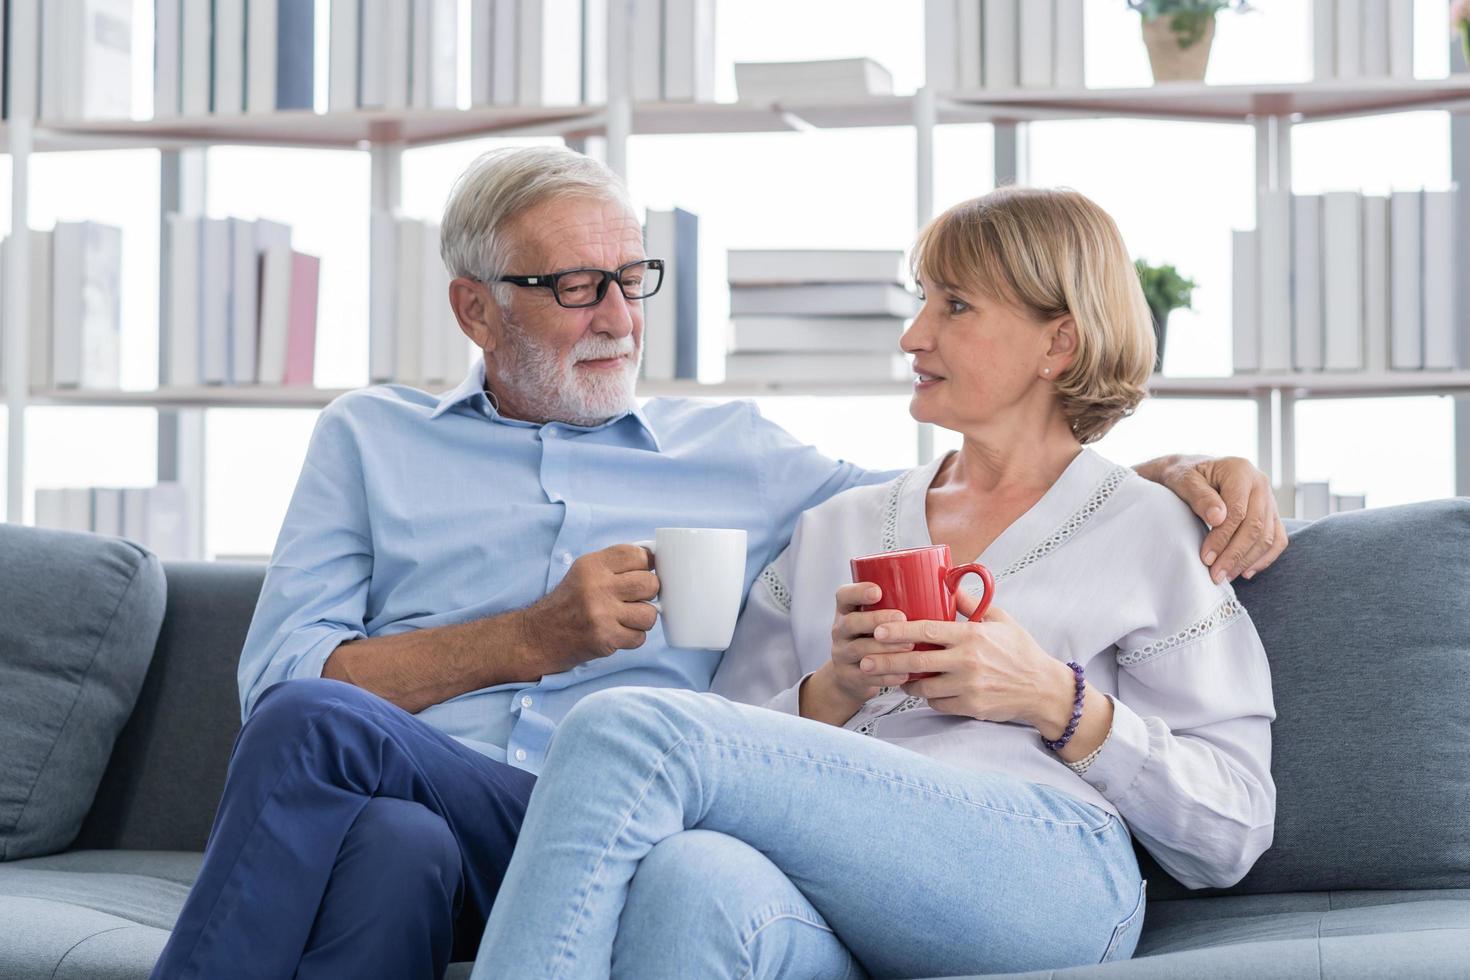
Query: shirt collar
column 472, row 390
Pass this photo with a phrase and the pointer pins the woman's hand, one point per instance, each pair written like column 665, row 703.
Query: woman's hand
column 839, row 688
column 991, row 669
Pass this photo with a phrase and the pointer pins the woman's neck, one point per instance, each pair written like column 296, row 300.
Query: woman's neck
column 1004, row 463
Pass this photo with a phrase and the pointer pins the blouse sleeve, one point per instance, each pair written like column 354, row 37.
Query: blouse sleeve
column 1188, row 761
column 761, row 665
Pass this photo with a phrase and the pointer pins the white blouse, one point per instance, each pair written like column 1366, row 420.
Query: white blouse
column 1103, row 570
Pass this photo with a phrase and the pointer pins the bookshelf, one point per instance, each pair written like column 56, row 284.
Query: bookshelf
column 1270, row 109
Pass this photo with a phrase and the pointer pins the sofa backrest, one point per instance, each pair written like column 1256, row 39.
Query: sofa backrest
column 1366, row 622
column 167, row 768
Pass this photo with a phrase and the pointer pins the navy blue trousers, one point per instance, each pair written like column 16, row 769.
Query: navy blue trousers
column 352, row 840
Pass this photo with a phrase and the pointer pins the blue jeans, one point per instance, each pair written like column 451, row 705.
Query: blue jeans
column 352, row 840
column 675, row 834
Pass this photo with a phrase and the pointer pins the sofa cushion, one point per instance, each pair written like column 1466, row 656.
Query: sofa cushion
column 79, row 616
column 1366, row 622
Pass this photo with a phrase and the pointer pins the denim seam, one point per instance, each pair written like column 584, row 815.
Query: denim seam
column 898, row 779
column 779, row 915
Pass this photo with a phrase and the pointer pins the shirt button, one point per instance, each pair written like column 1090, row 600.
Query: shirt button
column 566, row 558
column 520, row 755
column 1102, row 787
column 526, row 701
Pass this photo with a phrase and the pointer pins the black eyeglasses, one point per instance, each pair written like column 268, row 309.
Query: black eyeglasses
column 577, row 289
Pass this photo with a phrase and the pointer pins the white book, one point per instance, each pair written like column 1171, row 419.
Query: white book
column 1342, row 270
column 689, row 51
column 383, row 283
column 1324, row 39
column 168, row 521
column 1375, row 284
column 1313, row 500
column 41, row 317
column 86, row 300
column 244, row 301
column 482, row 48
column 275, row 313
column 66, row 305
column 373, row 53
column 1037, row 46
column 834, row 366
column 941, row 52
column 260, row 48
column 420, row 36
column 52, row 25
column 504, row 66
column 196, row 41
column 434, row 338
column 970, row 44
column 1375, row 38
column 1306, row 276
column 23, row 42
column 216, row 260
column 280, row 48
column 1002, row 63
column 749, row 267
column 1342, row 502
column 444, row 54
column 105, row 55
column 229, row 56
column 1439, row 280
column 788, row 81
column 647, row 67
column 50, row 511
column 107, row 516
column 827, row 299
column 1349, row 24
column 1401, row 38
column 135, row 514
column 1070, row 52
column 409, row 369
column 342, row 59
column 594, row 51
column 660, row 311
column 815, row 333
column 1406, row 280
column 1245, row 303
column 167, row 18
column 550, row 69
column 1273, row 219
column 76, row 509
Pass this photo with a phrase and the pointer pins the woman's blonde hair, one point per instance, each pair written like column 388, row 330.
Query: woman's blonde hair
column 1052, row 252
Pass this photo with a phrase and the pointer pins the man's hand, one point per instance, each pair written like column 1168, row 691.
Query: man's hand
column 599, row 608
column 1236, row 500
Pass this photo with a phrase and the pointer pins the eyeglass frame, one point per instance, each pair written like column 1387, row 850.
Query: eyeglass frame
column 550, row 280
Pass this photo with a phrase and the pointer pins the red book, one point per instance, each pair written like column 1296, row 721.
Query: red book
column 301, row 334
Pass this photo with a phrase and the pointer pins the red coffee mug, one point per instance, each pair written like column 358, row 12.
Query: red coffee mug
column 920, row 583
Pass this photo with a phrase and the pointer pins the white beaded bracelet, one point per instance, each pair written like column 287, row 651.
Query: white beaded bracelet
column 1085, row 763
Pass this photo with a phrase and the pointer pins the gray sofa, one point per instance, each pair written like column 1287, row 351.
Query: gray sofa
column 1366, row 619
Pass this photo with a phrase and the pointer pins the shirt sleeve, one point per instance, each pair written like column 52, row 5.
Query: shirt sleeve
column 761, row 665
column 315, row 592
column 1188, row 761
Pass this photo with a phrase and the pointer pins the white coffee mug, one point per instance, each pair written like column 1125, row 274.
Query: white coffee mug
column 701, row 577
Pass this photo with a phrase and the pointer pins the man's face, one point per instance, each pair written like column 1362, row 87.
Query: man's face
column 550, row 363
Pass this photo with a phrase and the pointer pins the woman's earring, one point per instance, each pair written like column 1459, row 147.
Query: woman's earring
column 1046, row 370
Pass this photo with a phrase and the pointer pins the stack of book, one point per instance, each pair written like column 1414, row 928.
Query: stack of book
column 230, row 56
column 845, row 78
column 1362, row 39
column 83, row 67
column 1003, row 44
column 75, row 305
column 239, row 305
column 672, row 49
column 413, row 336
column 671, row 316
column 156, row 517
column 817, row 315
column 1314, row 500
column 1347, row 282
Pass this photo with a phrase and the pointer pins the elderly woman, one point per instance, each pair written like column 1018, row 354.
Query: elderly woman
column 969, row 821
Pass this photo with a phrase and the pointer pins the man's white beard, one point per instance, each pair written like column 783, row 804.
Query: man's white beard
column 548, row 386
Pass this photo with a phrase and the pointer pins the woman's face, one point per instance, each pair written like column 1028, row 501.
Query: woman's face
column 978, row 361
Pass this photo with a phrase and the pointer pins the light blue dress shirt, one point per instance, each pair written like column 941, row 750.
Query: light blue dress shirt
column 414, row 511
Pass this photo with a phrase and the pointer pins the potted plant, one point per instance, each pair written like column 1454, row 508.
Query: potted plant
column 1178, row 34
column 1460, row 21
column 1165, row 290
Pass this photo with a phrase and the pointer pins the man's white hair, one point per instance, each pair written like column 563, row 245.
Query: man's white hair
column 500, row 185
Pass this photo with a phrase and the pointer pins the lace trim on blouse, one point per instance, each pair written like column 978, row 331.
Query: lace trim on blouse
column 1221, row 616
column 774, row 584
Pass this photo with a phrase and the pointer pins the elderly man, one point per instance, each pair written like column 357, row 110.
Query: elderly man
column 453, row 575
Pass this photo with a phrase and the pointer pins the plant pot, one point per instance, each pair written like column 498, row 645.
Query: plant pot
column 1170, row 62
column 1161, row 327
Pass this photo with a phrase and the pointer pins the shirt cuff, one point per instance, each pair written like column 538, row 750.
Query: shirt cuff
column 313, row 661
column 789, row 700
column 1123, row 756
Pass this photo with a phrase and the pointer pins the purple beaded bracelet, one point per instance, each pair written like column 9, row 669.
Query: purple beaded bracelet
column 1076, row 711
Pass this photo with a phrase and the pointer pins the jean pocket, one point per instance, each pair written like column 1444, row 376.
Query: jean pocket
column 1125, row 934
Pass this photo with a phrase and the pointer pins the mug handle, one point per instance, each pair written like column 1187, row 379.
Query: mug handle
column 952, row 584
column 650, row 547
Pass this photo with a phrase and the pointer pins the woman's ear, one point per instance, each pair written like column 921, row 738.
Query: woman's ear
column 479, row 316
column 1061, row 346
